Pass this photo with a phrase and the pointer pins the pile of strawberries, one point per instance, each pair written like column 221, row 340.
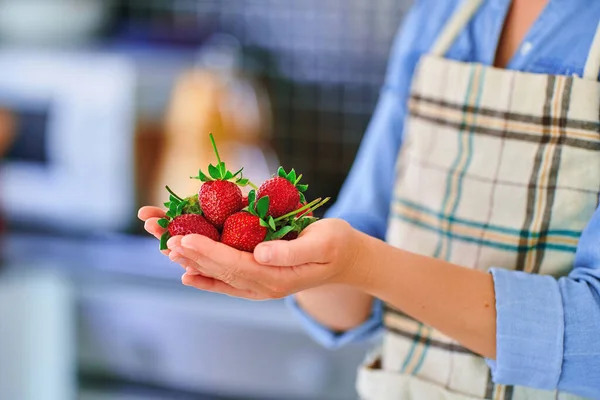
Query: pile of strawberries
column 275, row 210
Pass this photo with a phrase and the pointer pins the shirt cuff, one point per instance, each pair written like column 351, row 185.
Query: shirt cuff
column 334, row 340
column 529, row 330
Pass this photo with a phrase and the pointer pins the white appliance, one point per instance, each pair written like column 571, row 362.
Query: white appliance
column 75, row 122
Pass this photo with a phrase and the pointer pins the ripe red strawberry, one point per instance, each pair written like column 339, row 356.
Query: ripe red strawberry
column 184, row 217
column 219, row 199
column 290, row 236
column 192, row 224
column 244, row 201
column 220, row 195
column 243, row 231
column 283, row 191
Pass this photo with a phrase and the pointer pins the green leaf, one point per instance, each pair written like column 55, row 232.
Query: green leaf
column 281, row 172
column 302, row 188
column 282, row 232
column 167, row 204
column 171, row 213
column 180, row 207
column 262, row 206
column 228, row 175
column 203, row 177
column 292, row 176
column 163, row 222
column 303, row 222
column 214, row 172
column 251, row 199
column 163, row 240
column 173, row 199
column 271, row 223
column 302, row 198
column 242, row 182
column 263, row 223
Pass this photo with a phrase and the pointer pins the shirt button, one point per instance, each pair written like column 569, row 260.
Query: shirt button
column 526, row 48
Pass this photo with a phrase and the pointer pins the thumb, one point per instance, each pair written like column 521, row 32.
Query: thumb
column 303, row 250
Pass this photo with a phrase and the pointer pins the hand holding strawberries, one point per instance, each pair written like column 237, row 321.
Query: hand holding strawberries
column 328, row 251
column 213, row 232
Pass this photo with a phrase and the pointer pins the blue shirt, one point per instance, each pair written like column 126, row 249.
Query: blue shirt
column 548, row 330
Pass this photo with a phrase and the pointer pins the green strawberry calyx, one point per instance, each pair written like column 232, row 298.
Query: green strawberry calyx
column 220, row 172
column 292, row 222
column 295, row 180
column 259, row 208
column 177, row 206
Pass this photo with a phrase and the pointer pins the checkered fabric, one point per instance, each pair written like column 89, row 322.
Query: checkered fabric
column 498, row 169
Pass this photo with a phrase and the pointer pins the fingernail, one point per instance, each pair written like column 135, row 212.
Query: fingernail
column 263, row 254
column 172, row 242
column 183, row 280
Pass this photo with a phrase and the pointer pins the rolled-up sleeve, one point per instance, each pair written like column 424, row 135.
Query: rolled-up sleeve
column 548, row 330
column 334, row 340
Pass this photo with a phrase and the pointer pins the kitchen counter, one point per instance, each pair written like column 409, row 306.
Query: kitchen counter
column 136, row 322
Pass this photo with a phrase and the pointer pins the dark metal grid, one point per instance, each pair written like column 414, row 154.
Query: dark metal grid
column 324, row 65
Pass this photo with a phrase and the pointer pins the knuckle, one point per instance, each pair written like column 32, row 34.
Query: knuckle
column 226, row 276
column 288, row 256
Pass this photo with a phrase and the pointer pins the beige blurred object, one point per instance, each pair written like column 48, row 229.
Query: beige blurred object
column 227, row 104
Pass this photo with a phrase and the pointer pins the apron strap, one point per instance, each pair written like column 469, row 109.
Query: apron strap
column 454, row 26
column 592, row 65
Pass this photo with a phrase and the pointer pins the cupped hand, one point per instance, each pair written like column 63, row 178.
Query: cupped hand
column 150, row 215
column 328, row 251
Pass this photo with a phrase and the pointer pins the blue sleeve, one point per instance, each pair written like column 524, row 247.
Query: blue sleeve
column 548, row 330
column 333, row 340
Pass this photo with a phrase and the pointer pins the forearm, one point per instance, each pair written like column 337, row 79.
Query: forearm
column 337, row 307
column 457, row 301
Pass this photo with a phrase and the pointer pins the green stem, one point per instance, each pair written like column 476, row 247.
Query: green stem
column 173, row 194
column 253, row 186
column 315, row 207
column 239, row 171
column 306, row 207
column 214, row 145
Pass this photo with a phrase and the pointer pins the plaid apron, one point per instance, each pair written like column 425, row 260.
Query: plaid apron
column 498, row 168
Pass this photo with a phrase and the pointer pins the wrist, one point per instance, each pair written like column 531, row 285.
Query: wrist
column 364, row 268
column 379, row 267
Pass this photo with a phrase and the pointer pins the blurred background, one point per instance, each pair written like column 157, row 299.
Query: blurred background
column 103, row 102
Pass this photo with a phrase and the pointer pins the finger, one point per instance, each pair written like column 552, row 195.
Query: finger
column 303, row 250
column 190, row 266
column 151, row 226
column 218, row 252
column 216, row 286
column 194, row 271
column 234, row 267
column 232, row 275
column 150, row 212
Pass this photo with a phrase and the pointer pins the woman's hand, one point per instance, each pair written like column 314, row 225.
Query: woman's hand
column 150, row 216
column 328, row 251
